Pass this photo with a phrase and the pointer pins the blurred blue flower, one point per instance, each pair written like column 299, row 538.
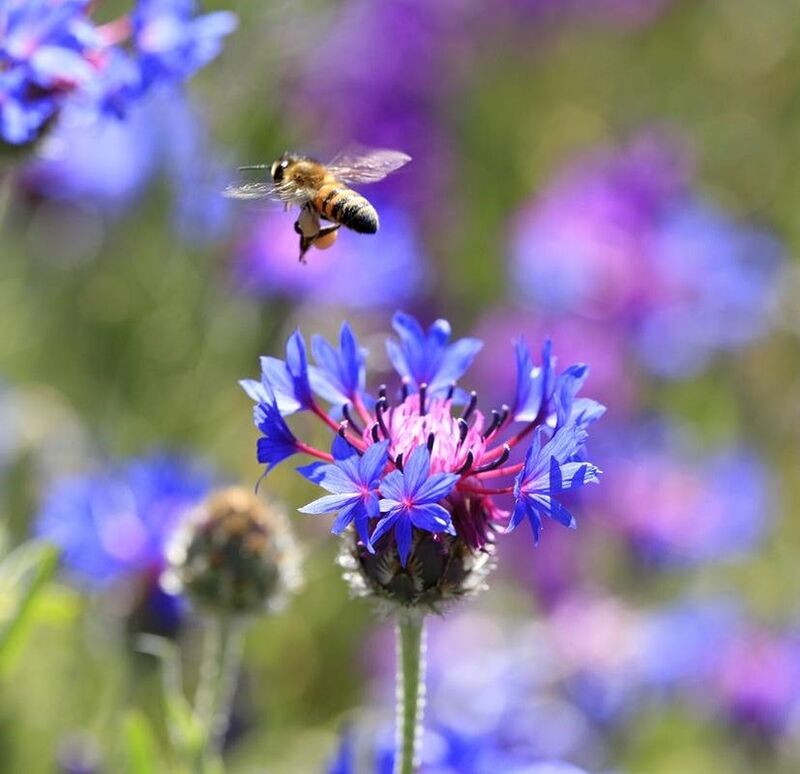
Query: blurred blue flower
column 390, row 265
column 621, row 236
column 115, row 523
column 171, row 42
column 106, row 164
column 52, row 54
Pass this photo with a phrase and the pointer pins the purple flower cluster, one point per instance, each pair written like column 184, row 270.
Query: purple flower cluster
column 53, row 54
column 621, row 237
column 406, row 464
column 699, row 507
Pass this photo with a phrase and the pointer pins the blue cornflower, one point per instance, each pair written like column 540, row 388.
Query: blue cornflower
column 284, row 383
column 278, row 441
column 411, row 498
column 116, row 522
column 340, row 376
column 549, row 471
column 436, row 476
column 353, row 483
column 172, row 43
column 429, row 358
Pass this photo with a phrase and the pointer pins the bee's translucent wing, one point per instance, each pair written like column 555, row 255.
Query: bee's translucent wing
column 260, row 190
column 263, row 190
column 366, row 166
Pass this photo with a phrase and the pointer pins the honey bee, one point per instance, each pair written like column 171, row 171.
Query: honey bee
column 323, row 192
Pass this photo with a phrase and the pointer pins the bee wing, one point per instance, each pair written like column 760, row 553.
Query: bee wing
column 264, row 190
column 366, row 166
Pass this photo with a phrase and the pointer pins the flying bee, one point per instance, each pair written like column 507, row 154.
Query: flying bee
column 323, row 192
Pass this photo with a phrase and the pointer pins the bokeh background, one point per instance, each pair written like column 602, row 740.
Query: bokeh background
column 621, row 175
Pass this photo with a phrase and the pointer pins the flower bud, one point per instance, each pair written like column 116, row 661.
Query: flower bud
column 441, row 569
column 234, row 554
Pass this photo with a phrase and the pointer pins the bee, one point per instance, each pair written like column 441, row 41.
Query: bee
column 323, row 192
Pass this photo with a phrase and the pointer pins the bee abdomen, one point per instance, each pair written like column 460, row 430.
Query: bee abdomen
column 346, row 207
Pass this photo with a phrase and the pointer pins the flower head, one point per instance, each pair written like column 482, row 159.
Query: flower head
column 424, row 481
column 234, row 554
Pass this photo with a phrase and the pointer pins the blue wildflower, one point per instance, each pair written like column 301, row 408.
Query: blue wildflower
column 412, row 497
column 429, row 358
column 353, row 483
column 408, row 466
column 116, row 522
column 340, row 376
column 548, row 471
column 172, row 43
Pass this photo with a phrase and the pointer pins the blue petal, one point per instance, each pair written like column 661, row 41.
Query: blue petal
column 455, row 362
column 392, row 486
column 554, row 509
column 436, row 487
column 384, row 525
column 403, row 536
column 314, row 471
column 416, row 470
column 329, row 503
column 432, row 517
column 371, row 465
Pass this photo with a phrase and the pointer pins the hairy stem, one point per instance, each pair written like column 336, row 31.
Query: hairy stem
column 219, row 670
column 410, row 629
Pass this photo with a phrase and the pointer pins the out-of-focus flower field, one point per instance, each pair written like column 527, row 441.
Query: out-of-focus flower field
column 621, row 176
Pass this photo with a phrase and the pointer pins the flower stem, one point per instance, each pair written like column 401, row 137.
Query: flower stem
column 219, row 670
column 410, row 630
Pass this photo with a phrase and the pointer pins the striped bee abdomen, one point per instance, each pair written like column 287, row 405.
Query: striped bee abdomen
column 344, row 206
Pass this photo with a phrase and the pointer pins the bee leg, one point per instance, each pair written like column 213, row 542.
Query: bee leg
column 327, row 230
column 305, row 244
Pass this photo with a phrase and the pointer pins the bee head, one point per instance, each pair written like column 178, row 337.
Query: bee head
column 279, row 166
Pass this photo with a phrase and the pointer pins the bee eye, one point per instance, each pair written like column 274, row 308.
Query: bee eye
column 277, row 172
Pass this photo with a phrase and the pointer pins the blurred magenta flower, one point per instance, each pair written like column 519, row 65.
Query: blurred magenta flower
column 622, row 237
column 115, row 523
column 390, row 265
column 53, row 55
column 699, row 507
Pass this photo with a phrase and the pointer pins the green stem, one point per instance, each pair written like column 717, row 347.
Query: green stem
column 219, row 670
column 410, row 629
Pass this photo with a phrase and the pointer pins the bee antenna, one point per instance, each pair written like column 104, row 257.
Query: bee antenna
column 254, row 166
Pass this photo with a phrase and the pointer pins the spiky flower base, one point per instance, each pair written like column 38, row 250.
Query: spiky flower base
column 441, row 569
column 235, row 555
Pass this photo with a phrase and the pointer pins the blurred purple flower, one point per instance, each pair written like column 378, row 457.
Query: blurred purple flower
column 675, row 505
column 390, row 265
column 115, row 523
column 622, row 237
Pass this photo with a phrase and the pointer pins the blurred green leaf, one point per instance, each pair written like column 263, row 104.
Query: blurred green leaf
column 141, row 756
column 24, row 574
